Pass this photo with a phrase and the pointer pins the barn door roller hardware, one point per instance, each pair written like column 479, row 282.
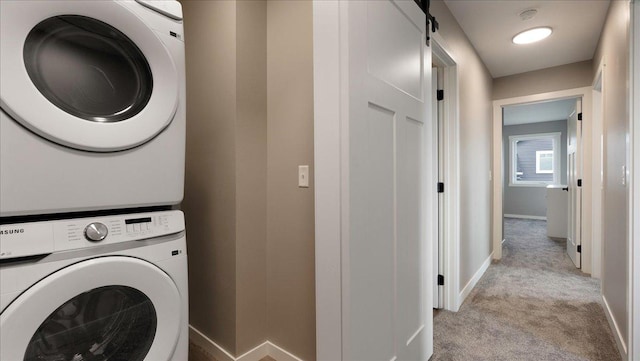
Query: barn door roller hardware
column 424, row 5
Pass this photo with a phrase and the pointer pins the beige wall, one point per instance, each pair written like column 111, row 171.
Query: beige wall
column 251, row 175
column 475, row 144
column 210, row 183
column 250, row 124
column 614, row 47
column 290, row 234
column 568, row 76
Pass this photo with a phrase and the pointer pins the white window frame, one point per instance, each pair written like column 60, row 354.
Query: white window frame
column 539, row 154
column 513, row 139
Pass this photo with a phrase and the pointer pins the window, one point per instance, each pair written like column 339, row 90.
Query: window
column 534, row 159
column 544, row 161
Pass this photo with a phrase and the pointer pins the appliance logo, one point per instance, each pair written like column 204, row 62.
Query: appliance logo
column 11, row 231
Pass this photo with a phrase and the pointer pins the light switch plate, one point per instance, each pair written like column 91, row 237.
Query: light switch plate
column 303, row 176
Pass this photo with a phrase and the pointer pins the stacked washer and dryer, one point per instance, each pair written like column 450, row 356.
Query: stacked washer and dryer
column 92, row 142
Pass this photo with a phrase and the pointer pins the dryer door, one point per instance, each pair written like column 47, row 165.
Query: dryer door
column 90, row 75
column 109, row 308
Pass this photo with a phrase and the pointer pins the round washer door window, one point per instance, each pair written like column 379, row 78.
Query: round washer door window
column 88, row 68
column 106, row 323
column 88, row 75
column 107, row 308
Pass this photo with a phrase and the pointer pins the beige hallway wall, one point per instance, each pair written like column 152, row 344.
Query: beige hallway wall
column 251, row 175
column 290, row 234
column 210, row 181
column 225, row 191
column 250, row 124
column 614, row 47
column 568, row 76
column 475, row 111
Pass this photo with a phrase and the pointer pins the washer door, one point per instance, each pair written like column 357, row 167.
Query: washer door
column 109, row 308
column 90, row 75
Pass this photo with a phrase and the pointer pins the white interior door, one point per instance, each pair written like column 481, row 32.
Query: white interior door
column 386, row 307
column 574, row 177
column 437, row 75
column 436, row 245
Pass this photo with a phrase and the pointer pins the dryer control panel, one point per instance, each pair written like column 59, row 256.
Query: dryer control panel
column 40, row 238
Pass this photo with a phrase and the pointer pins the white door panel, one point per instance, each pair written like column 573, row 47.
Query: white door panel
column 385, row 283
column 372, row 241
column 394, row 56
column 410, row 292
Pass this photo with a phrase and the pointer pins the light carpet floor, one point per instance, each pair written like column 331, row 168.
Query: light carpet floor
column 532, row 305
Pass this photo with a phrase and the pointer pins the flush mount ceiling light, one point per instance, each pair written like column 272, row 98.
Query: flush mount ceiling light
column 532, row 35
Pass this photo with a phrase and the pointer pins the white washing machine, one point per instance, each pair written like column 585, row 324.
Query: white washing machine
column 93, row 105
column 107, row 288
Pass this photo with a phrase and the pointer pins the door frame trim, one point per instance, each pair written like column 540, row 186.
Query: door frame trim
column 330, row 70
column 440, row 50
column 498, row 172
column 634, row 185
column 597, row 128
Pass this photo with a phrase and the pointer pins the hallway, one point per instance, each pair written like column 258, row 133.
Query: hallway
column 533, row 305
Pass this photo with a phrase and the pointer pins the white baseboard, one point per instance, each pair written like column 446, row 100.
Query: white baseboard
column 278, row 353
column 256, row 354
column 524, row 216
column 622, row 346
column 474, row 280
column 208, row 345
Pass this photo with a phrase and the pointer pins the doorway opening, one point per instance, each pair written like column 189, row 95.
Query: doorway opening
column 542, row 161
column 582, row 199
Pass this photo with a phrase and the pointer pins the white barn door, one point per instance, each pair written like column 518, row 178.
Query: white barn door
column 385, row 278
column 373, row 181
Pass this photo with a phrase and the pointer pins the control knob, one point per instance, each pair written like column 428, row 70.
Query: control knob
column 96, row 232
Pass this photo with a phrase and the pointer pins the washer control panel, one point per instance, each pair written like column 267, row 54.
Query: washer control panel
column 36, row 238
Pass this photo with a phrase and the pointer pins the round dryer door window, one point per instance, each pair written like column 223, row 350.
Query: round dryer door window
column 106, row 308
column 89, row 75
column 88, row 68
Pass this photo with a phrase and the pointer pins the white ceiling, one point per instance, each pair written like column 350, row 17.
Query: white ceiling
column 538, row 112
column 490, row 25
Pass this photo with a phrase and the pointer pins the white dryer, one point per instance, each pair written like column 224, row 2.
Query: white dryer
column 108, row 288
column 93, row 105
